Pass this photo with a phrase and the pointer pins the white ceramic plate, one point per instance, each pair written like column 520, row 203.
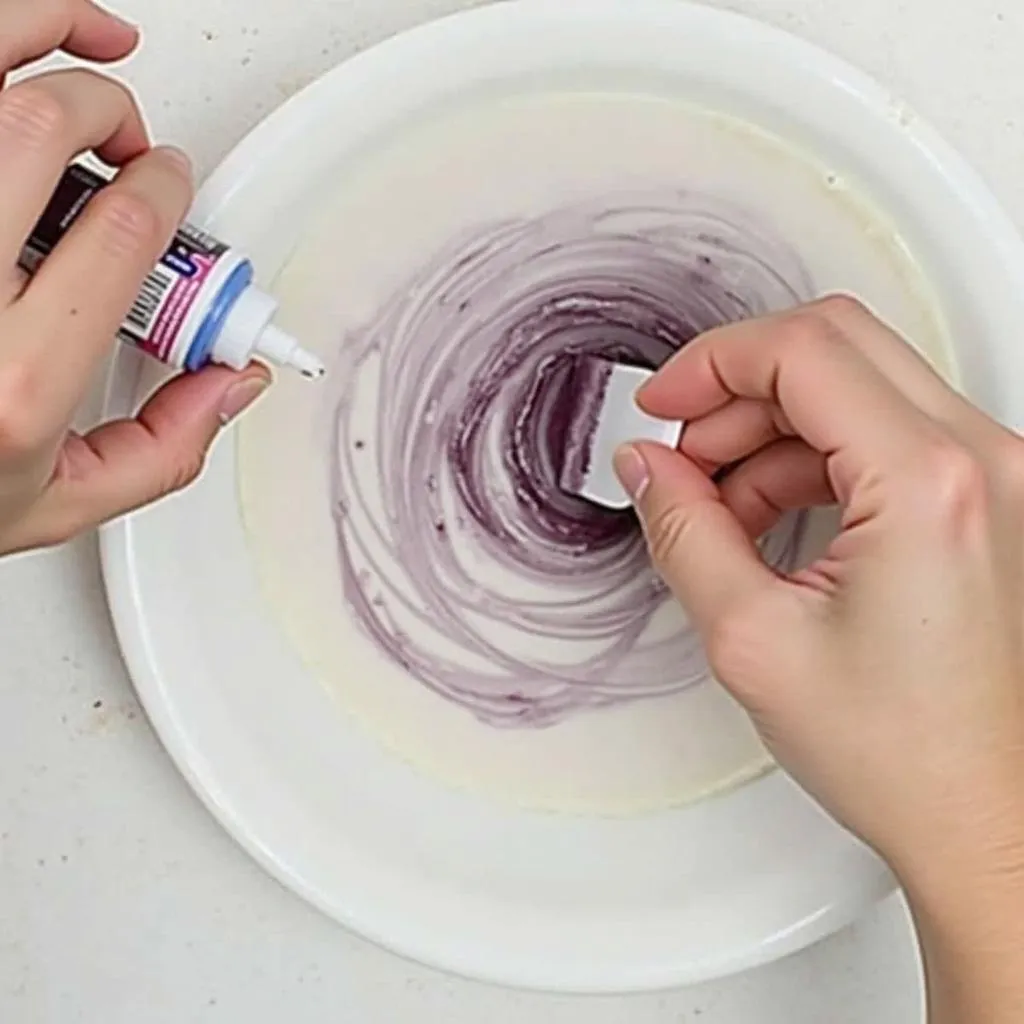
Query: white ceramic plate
column 517, row 897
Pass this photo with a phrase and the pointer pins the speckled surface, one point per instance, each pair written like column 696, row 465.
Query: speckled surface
column 120, row 899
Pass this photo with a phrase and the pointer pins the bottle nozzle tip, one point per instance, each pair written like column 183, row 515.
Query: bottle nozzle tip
column 307, row 364
column 284, row 350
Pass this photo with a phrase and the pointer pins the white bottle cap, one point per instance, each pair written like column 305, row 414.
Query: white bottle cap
column 283, row 350
column 248, row 333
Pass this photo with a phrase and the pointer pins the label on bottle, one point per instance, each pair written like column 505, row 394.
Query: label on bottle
column 72, row 196
column 169, row 292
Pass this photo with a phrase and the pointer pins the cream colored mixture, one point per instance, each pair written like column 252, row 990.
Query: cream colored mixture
column 513, row 158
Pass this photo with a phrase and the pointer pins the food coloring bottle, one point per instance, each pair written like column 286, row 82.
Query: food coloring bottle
column 197, row 306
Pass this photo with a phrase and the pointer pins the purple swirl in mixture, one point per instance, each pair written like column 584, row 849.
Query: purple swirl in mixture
column 461, row 557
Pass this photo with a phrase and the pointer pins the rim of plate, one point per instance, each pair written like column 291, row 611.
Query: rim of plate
column 118, row 553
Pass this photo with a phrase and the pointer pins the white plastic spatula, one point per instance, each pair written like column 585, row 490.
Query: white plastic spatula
column 607, row 416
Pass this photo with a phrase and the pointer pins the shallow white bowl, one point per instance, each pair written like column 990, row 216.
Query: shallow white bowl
column 513, row 896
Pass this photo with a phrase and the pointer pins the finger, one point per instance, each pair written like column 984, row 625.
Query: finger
column 733, row 432
column 124, row 465
column 833, row 396
column 34, row 28
column 99, row 34
column 44, row 123
column 786, row 476
column 885, row 348
column 903, row 364
column 74, row 306
column 696, row 543
column 888, row 351
column 892, row 354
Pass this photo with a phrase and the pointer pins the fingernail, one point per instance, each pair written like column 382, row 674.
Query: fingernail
column 178, row 157
column 631, row 469
column 240, row 396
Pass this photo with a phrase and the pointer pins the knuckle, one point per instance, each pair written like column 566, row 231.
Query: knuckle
column 119, row 91
column 181, row 472
column 840, row 307
column 128, row 223
column 807, row 330
column 21, row 430
column 111, row 94
column 957, row 482
column 957, row 473
column 176, row 165
column 32, row 114
column 735, row 646
column 115, row 95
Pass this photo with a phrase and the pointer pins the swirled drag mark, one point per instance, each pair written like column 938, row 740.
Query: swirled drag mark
column 461, row 557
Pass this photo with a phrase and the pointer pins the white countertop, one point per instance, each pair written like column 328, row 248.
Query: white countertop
column 121, row 900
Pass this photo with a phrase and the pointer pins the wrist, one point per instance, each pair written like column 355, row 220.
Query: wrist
column 965, row 888
column 958, row 823
column 969, row 917
column 973, row 850
column 967, row 892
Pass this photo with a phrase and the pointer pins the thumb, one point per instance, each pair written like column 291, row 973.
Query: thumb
column 699, row 547
column 124, row 465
